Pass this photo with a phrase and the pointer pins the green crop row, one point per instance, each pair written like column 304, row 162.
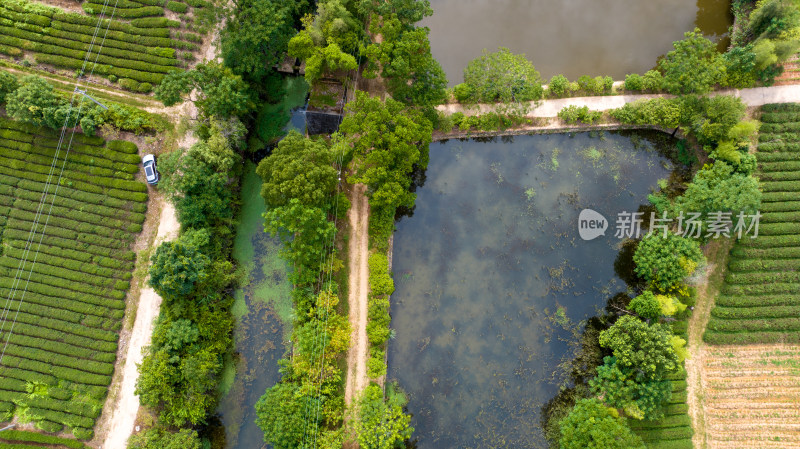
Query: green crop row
column 26, row 152
column 84, row 308
column 784, row 206
column 771, row 241
column 79, row 216
column 762, row 289
column 780, row 117
column 19, row 230
column 60, row 347
column 75, row 340
column 766, row 149
column 79, row 256
column 133, row 42
column 754, row 325
column 57, row 371
column 112, row 57
column 666, row 422
column 65, row 202
column 179, row 8
column 55, row 359
column 99, row 69
column 760, row 278
column 756, row 337
column 68, row 228
column 783, row 252
column 665, row 434
column 43, row 277
column 778, row 196
column 73, row 265
column 23, row 165
column 63, row 326
column 96, row 156
column 764, row 265
column 84, row 197
column 781, row 107
column 780, row 176
column 781, row 217
column 754, row 312
column 91, row 321
column 34, row 437
column 132, row 13
column 121, row 4
column 67, row 419
column 757, row 301
column 27, row 376
column 685, row 443
column 780, row 166
column 676, row 409
column 779, row 228
column 785, row 127
column 780, row 186
column 89, row 187
column 85, row 409
column 43, row 288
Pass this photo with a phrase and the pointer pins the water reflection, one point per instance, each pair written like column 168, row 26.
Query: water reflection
column 493, row 281
column 572, row 37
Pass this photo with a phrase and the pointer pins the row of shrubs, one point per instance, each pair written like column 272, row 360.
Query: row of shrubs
column 68, row 240
column 73, row 351
column 51, row 311
column 20, row 436
column 56, row 359
column 65, row 337
column 95, row 234
column 64, row 373
column 86, row 309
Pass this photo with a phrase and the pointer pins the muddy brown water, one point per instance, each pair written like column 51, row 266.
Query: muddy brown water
column 571, row 37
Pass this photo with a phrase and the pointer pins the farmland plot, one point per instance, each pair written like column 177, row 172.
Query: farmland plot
column 60, row 358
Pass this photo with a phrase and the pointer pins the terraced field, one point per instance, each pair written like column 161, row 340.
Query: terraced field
column 15, row 439
column 58, row 365
column 136, row 54
column 760, row 297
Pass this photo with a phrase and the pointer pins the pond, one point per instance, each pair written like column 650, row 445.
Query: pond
column 571, row 37
column 492, row 279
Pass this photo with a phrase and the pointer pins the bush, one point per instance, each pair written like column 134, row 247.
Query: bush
column 177, row 7
column 653, row 81
column 463, row 92
column 634, row 82
column 559, row 86
column 573, row 114
column 376, row 366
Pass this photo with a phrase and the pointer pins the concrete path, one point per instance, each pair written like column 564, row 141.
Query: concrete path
column 756, row 96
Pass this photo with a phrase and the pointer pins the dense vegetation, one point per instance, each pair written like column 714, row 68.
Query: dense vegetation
column 61, row 355
column 758, row 301
column 19, row 439
column 137, row 54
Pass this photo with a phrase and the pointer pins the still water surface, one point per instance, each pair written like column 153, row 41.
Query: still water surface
column 492, row 279
column 572, row 37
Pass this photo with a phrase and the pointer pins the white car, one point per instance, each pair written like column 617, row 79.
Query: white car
column 150, row 172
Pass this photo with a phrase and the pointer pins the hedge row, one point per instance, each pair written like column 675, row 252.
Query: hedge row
column 92, row 321
column 685, row 443
column 785, row 252
column 780, row 117
column 66, row 361
column 778, row 137
column 65, row 202
column 786, row 127
column 20, row 229
column 47, row 277
column 70, row 264
column 84, row 197
column 132, row 13
column 778, row 196
column 760, row 277
column 59, row 347
column 785, row 206
column 759, row 289
column 779, row 228
column 664, row 434
column 64, row 337
column 67, row 327
column 34, row 437
column 762, row 337
column 108, row 237
column 99, row 69
column 730, row 301
column 780, row 186
column 77, row 154
column 89, row 187
column 764, row 265
column 26, row 152
column 86, row 309
column 748, row 313
column 666, row 422
column 780, row 166
column 86, row 216
column 57, row 371
column 782, row 148
column 79, row 256
column 754, row 325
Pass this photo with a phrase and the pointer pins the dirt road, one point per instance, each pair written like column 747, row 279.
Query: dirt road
column 127, row 403
column 358, row 282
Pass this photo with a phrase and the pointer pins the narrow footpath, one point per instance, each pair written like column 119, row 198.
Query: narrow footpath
column 126, row 404
column 357, row 297
column 756, row 96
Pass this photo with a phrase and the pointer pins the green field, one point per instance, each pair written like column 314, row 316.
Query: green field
column 138, row 53
column 58, row 365
column 759, row 299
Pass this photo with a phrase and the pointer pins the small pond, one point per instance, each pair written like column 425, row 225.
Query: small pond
column 571, row 37
column 492, row 279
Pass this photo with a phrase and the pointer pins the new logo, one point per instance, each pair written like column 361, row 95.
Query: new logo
column 591, row 224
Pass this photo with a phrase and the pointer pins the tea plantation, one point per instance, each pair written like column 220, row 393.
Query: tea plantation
column 58, row 364
column 137, row 52
column 758, row 302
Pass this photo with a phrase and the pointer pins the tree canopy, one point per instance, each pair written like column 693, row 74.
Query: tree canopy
column 156, row 438
column 644, row 349
column 694, row 67
column 717, row 187
column 301, row 169
column 592, row 425
column 502, row 77
column 220, row 92
column 381, row 424
column 281, row 415
column 621, row 388
column 666, row 261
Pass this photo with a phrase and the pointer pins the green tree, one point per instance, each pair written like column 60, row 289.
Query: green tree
column 740, row 66
column 305, row 231
column 386, row 142
column 408, row 11
column 772, row 18
column 646, row 306
column 36, row 102
column 281, row 415
column 201, row 195
column 380, row 425
column 639, row 397
column 503, row 77
column 694, row 67
column 225, row 138
column 219, row 92
column 319, row 59
column 644, row 349
column 717, row 188
column 8, row 84
column 177, row 269
column 666, row 261
column 257, row 36
column 558, row 86
column 591, row 425
column 404, row 58
column 156, row 438
column 634, row 82
column 298, row 168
